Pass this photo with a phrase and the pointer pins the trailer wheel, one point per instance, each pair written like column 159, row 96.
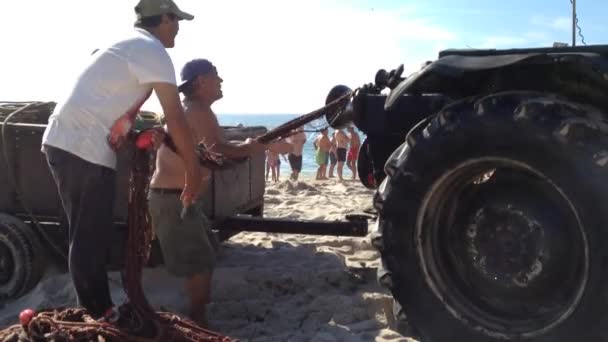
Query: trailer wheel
column 22, row 259
column 492, row 222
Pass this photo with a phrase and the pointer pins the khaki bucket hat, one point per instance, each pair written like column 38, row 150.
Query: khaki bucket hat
column 150, row 8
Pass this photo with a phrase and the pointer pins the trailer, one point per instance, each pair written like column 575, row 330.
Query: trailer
column 33, row 227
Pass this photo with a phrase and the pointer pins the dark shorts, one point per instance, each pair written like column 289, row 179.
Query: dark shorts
column 332, row 158
column 295, row 162
column 188, row 245
column 341, row 152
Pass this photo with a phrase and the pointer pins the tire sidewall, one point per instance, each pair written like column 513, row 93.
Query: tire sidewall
column 429, row 159
column 26, row 251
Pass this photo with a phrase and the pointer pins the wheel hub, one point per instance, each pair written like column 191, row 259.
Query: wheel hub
column 505, row 246
column 507, row 254
column 7, row 264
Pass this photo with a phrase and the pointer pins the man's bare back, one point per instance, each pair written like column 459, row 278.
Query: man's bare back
column 323, row 143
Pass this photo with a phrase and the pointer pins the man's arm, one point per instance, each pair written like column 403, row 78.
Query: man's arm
column 182, row 137
column 214, row 140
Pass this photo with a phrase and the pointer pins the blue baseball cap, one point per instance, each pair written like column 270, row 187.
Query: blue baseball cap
column 193, row 69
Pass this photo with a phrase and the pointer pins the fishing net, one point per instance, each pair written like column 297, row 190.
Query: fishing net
column 139, row 321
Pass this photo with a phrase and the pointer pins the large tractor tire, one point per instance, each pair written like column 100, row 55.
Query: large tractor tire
column 493, row 223
column 22, row 258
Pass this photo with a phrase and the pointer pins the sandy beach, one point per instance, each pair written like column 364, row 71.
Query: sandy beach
column 273, row 287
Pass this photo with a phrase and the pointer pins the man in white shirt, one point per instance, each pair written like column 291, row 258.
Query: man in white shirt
column 91, row 124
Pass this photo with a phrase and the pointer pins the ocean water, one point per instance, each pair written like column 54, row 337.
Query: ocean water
column 309, row 166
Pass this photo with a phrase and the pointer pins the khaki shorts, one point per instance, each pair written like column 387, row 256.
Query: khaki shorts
column 188, row 245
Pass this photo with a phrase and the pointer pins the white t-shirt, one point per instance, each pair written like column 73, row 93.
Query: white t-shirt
column 115, row 82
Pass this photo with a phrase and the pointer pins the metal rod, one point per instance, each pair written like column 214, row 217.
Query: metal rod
column 573, row 22
column 287, row 226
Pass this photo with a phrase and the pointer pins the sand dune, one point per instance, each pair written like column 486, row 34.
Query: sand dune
column 273, row 287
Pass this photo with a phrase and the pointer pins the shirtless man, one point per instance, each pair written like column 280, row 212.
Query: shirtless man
column 295, row 156
column 341, row 144
column 353, row 151
column 322, row 146
column 186, row 242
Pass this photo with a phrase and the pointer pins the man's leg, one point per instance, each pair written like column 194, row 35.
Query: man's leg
column 267, row 169
column 341, row 154
column 353, row 162
column 290, row 158
column 187, row 249
column 278, row 169
column 198, row 287
column 87, row 194
column 298, row 167
column 349, row 164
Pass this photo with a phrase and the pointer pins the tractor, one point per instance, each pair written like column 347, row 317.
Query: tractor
column 491, row 170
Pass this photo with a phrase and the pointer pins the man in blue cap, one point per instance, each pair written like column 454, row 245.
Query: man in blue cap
column 91, row 124
column 187, row 243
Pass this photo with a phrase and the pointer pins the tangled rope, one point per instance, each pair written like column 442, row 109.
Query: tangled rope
column 330, row 110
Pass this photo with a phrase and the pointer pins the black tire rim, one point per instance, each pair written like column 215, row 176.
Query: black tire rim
column 7, row 264
column 503, row 248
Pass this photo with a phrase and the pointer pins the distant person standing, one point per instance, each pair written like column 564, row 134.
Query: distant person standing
column 295, row 156
column 333, row 159
column 273, row 165
column 322, row 146
column 91, row 124
column 342, row 141
column 353, row 151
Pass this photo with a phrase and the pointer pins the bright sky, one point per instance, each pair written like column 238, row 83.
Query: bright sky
column 280, row 56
